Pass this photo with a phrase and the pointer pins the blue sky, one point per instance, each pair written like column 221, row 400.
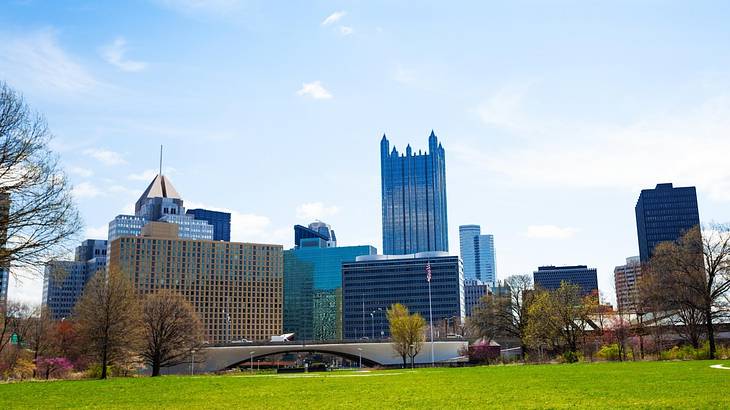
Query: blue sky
column 553, row 114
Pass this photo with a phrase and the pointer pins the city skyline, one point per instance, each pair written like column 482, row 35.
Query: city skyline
column 535, row 154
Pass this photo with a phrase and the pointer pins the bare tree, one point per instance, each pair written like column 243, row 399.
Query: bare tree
column 108, row 318
column 694, row 275
column 39, row 334
column 38, row 218
column 172, row 330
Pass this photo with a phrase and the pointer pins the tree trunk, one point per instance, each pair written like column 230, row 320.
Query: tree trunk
column 155, row 369
column 710, row 333
column 404, row 362
column 103, row 364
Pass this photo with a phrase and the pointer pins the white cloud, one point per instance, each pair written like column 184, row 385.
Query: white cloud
column 314, row 90
column 97, row 232
column 504, row 108
column 114, row 54
column 333, row 18
column 687, row 145
column 315, row 210
column 25, row 287
column 346, row 30
column 37, row 62
column 245, row 227
column 550, row 232
column 105, row 156
column 85, row 190
column 80, row 171
column 147, row 175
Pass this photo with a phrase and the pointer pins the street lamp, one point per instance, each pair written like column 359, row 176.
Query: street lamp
column 359, row 353
column 192, row 362
column 252, row 361
column 410, row 353
column 372, row 323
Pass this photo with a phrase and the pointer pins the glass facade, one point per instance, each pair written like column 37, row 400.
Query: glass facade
column 372, row 284
column 313, row 290
column 550, row 277
column 317, row 233
column 477, row 253
column 64, row 281
column 414, row 199
column 664, row 214
column 221, row 222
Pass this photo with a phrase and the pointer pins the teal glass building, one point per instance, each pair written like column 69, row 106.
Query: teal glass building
column 414, row 199
column 313, row 290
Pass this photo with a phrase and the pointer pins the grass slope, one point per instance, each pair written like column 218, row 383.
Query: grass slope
column 603, row 385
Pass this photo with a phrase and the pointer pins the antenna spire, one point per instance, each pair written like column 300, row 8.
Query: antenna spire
column 160, row 159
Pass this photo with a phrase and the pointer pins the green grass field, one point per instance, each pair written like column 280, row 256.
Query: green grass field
column 683, row 385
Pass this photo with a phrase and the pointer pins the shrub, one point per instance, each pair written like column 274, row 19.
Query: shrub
column 570, row 357
column 609, row 352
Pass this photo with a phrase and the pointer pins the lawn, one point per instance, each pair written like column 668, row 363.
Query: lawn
column 691, row 384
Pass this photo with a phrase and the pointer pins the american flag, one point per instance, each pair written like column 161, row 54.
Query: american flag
column 428, row 271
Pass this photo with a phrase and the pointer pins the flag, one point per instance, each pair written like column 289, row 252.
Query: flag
column 428, row 272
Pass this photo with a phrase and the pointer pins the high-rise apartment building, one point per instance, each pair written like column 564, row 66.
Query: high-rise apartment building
column 550, row 277
column 160, row 202
column 663, row 214
column 477, row 253
column 64, row 281
column 414, row 199
column 371, row 284
column 626, row 278
column 235, row 288
column 313, row 287
column 221, row 222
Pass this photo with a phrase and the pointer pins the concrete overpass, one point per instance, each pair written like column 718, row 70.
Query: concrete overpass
column 216, row 358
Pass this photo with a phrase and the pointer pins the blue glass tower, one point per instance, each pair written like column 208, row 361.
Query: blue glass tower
column 221, row 222
column 414, row 199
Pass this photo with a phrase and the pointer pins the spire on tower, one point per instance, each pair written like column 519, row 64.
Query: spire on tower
column 160, row 159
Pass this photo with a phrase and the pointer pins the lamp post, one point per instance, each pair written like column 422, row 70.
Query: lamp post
column 372, row 324
column 252, row 361
column 192, row 362
column 359, row 354
column 410, row 353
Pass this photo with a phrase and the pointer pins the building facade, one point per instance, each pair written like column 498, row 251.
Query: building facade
column 221, row 222
column 475, row 290
column 626, row 278
column 550, row 277
column 477, row 253
column 317, row 234
column 313, row 290
column 371, row 284
column 235, row 288
column 64, row 281
column 160, row 202
column 414, row 199
column 663, row 214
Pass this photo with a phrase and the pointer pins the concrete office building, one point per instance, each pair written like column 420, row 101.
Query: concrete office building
column 235, row 288
column 64, row 281
column 626, row 278
column 550, row 277
column 371, row 284
column 663, row 214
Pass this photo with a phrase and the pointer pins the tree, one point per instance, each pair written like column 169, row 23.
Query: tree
column 172, row 329
column 39, row 334
column 38, row 218
column 694, row 274
column 406, row 331
column 108, row 318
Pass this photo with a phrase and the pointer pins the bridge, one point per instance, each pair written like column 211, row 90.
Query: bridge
column 216, row 358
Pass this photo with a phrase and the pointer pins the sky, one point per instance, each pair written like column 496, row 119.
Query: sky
column 553, row 114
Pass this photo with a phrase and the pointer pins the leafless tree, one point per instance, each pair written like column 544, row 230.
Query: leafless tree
column 694, row 277
column 172, row 329
column 108, row 318
column 38, row 218
column 40, row 330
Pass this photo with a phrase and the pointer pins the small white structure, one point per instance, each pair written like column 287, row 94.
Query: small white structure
column 286, row 337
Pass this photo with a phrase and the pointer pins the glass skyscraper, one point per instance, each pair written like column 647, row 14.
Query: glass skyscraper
column 414, row 199
column 664, row 214
column 221, row 222
column 477, row 253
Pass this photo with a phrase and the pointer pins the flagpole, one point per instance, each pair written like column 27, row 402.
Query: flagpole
column 430, row 319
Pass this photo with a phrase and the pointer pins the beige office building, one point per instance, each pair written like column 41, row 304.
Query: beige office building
column 626, row 278
column 236, row 288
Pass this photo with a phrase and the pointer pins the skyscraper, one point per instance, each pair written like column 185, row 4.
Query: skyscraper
column 221, row 222
column 626, row 278
column 64, row 281
column 550, row 277
column 160, row 202
column 477, row 253
column 414, row 199
column 664, row 214
column 313, row 283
